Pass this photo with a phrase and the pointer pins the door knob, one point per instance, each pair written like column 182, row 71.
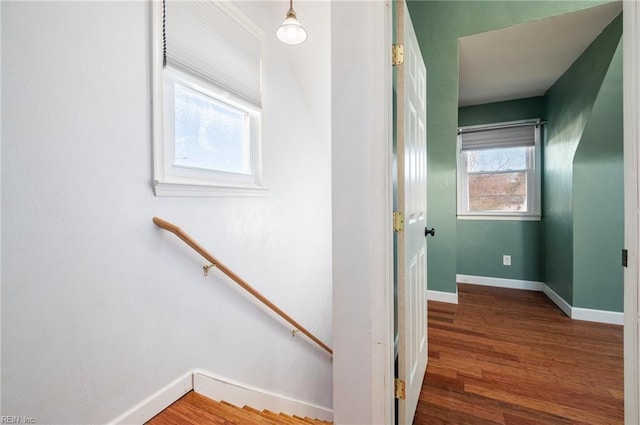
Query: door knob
column 428, row 231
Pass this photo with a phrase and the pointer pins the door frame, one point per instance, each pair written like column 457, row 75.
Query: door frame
column 362, row 201
column 631, row 90
column 371, row 355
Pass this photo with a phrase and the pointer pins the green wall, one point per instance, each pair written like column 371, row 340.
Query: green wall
column 513, row 110
column 482, row 243
column 438, row 26
column 598, row 199
column 569, row 105
column 579, row 254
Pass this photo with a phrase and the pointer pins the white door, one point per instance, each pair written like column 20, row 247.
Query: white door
column 412, row 201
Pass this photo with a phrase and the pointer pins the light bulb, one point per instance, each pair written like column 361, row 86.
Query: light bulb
column 291, row 32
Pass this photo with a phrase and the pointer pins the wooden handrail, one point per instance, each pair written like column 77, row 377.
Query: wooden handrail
column 237, row 279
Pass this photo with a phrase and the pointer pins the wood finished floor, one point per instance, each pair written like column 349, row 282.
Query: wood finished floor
column 504, row 356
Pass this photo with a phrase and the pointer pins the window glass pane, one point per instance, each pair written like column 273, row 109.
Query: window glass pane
column 498, row 192
column 505, row 159
column 209, row 134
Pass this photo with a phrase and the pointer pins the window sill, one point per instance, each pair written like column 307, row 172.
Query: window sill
column 499, row 217
column 179, row 189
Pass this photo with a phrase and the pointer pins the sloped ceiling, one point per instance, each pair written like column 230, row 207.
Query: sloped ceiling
column 525, row 60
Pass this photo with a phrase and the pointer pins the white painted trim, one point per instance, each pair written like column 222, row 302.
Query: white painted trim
column 600, row 316
column 528, row 285
column 168, row 188
column 631, row 69
column 363, row 365
column 498, row 125
column 443, row 297
column 557, row 300
column 156, row 91
column 169, row 180
column 534, row 186
column 219, row 388
column 382, row 301
column 499, row 217
column 156, row 402
column 576, row 313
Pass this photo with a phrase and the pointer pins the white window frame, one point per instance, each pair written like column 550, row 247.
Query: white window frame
column 172, row 180
column 534, row 178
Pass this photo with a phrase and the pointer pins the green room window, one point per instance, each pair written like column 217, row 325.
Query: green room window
column 499, row 171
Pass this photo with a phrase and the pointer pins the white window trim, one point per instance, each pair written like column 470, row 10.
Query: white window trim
column 165, row 184
column 534, row 188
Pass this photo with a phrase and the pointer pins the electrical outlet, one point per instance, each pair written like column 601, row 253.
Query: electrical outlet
column 506, row 260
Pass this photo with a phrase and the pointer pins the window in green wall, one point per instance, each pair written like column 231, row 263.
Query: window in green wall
column 498, row 171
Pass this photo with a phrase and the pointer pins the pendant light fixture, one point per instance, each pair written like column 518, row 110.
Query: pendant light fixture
column 291, row 32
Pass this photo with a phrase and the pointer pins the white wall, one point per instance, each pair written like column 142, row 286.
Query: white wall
column 362, row 231
column 99, row 307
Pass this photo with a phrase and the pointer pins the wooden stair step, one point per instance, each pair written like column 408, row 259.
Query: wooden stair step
column 196, row 409
column 275, row 419
column 308, row 420
column 318, row 421
column 187, row 411
column 267, row 419
column 231, row 413
column 290, row 419
column 281, row 418
column 255, row 414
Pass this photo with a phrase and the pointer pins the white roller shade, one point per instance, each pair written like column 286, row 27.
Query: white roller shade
column 507, row 137
column 214, row 42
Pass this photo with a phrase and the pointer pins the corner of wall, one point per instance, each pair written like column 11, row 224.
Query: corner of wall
column 598, row 198
column 569, row 103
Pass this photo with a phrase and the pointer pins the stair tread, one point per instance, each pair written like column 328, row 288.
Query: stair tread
column 254, row 413
column 267, row 419
column 283, row 418
column 232, row 413
column 305, row 420
column 196, row 409
column 319, row 422
column 185, row 412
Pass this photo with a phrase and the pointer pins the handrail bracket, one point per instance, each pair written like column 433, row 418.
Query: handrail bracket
column 205, row 268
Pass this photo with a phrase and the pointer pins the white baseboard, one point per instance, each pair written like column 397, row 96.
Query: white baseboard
column 218, row 388
column 157, row 402
column 576, row 313
column 601, row 316
column 586, row 314
column 443, row 297
column 528, row 285
column 557, row 300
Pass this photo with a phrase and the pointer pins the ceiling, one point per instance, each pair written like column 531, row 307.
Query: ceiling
column 525, row 60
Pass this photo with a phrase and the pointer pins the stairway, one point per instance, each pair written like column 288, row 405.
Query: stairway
column 196, row 409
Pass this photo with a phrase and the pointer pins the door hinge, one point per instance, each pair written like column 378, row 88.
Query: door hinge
column 625, row 258
column 399, row 388
column 398, row 221
column 397, row 54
